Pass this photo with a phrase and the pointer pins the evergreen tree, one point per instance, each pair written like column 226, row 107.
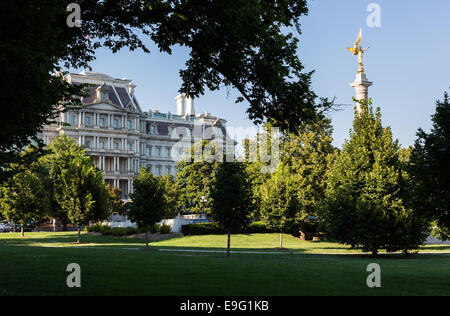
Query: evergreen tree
column 148, row 205
column 231, row 197
column 365, row 206
column 430, row 158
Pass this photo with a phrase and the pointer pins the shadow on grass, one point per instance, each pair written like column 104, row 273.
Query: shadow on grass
column 68, row 239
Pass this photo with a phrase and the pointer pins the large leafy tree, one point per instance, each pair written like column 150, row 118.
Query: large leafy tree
column 61, row 152
column 83, row 193
column 171, row 195
column 231, row 197
column 307, row 155
column 430, row 158
column 365, row 204
column 194, row 180
column 148, row 205
column 35, row 40
column 243, row 44
column 23, row 198
column 118, row 206
column 280, row 203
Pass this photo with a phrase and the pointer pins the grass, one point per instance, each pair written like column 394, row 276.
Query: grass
column 36, row 265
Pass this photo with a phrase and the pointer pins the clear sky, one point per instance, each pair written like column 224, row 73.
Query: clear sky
column 408, row 63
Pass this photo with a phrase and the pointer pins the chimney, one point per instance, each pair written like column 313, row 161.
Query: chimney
column 180, row 104
column 190, row 110
column 131, row 88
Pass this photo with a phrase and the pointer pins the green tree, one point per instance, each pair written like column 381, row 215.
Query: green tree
column 430, row 158
column 61, row 152
column 279, row 202
column 23, row 198
column 244, row 44
column 194, row 180
column 231, row 196
column 148, row 205
column 83, row 194
column 307, row 155
column 365, row 204
column 115, row 197
column 171, row 195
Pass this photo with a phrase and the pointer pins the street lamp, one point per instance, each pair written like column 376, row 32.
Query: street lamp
column 203, row 200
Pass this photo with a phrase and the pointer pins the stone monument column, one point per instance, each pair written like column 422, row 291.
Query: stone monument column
column 361, row 85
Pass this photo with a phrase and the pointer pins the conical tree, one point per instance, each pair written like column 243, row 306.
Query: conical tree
column 364, row 202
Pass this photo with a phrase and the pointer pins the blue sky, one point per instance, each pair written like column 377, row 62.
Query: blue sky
column 408, row 63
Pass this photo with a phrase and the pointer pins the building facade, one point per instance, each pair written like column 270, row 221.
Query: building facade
column 121, row 138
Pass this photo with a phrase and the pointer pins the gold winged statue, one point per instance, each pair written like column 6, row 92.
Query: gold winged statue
column 358, row 51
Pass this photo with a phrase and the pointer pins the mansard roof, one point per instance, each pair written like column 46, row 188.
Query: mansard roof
column 120, row 91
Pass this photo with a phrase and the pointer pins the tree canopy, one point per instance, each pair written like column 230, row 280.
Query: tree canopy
column 148, row 204
column 231, row 197
column 242, row 44
column 430, row 158
column 365, row 203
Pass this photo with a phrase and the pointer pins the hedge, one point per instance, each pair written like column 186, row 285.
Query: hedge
column 126, row 231
column 214, row 228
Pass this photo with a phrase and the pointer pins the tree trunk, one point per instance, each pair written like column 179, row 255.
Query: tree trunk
column 281, row 239
column 228, row 243
column 22, row 233
column 79, row 234
column 374, row 252
column 146, row 239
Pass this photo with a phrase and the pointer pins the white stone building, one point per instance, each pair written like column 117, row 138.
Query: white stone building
column 122, row 138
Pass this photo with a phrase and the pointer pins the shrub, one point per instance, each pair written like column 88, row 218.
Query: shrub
column 164, row 229
column 213, row 228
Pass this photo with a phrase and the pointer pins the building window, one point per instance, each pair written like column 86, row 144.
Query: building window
column 167, row 152
column 153, row 129
column 87, row 143
column 168, row 170
column 72, row 120
column 87, row 120
column 116, row 146
column 148, row 149
column 129, row 146
column 115, row 123
column 101, row 122
column 102, row 145
column 103, row 96
column 158, row 152
column 158, row 171
column 129, row 124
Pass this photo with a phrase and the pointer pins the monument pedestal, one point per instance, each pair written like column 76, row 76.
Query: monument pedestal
column 361, row 85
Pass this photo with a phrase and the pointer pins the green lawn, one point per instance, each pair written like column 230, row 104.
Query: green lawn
column 36, row 265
